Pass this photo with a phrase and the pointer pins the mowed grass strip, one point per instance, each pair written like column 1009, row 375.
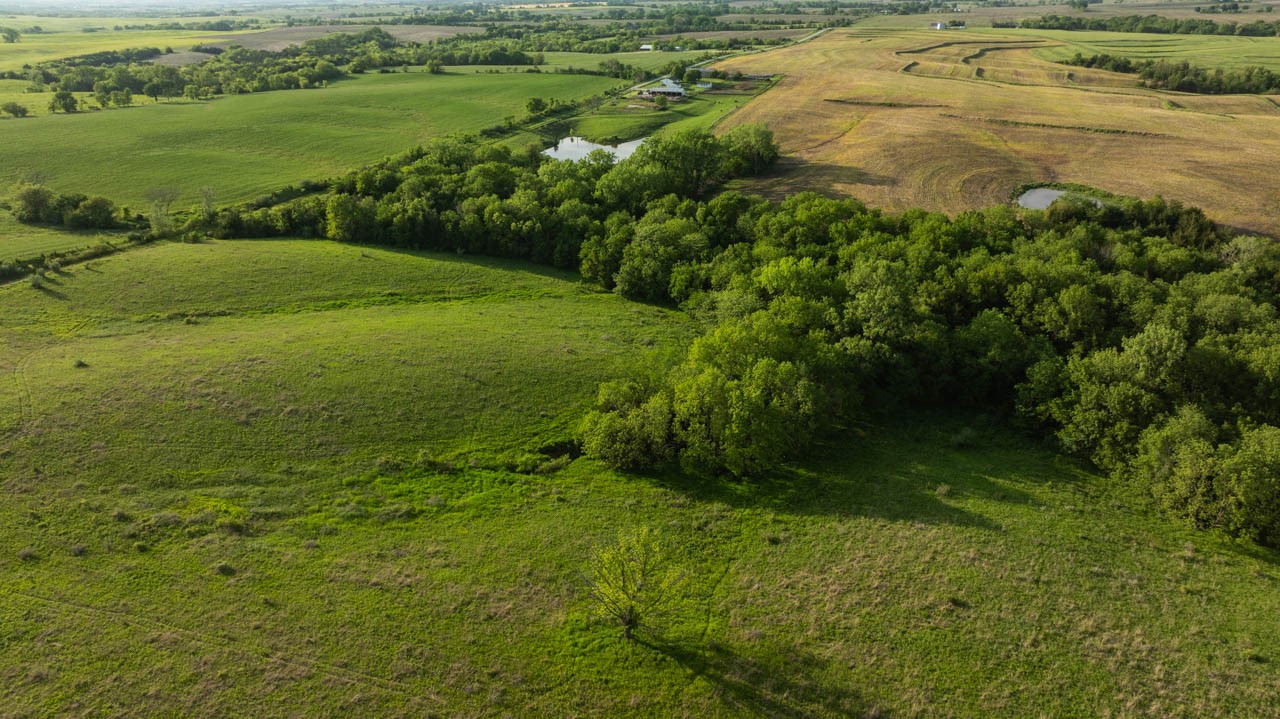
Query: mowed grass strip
column 247, row 145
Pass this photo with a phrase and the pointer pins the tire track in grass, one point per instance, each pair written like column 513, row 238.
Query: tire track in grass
column 239, row 646
column 26, row 401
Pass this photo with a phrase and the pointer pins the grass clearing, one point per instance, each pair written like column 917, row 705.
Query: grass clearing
column 954, row 121
column 246, row 145
column 21, row 242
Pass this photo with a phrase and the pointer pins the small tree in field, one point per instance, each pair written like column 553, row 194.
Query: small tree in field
column 63, row 100
column 632, row 582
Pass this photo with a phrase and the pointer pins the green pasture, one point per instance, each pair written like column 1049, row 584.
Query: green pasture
column 20, row 242
column 35, row 48
column 246, row 145
column 306, row 478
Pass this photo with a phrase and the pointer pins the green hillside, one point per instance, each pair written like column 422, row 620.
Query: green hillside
column 264, row 478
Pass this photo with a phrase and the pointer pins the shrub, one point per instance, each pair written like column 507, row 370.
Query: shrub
column 633, row 583
column 1250, row 484
column 1177, row 459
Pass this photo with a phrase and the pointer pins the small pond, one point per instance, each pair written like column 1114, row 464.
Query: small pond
column 1041, row 197
column 577, row 148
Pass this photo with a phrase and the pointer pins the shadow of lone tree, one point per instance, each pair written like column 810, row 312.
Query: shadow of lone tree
column 769, row 681
column 633, row 584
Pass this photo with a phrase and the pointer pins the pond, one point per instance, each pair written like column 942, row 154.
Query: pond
column 1040, row 198
column 577, row 148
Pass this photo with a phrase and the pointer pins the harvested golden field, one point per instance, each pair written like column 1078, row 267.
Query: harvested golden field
column 954, row 121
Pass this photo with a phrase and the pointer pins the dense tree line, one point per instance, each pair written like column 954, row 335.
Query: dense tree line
column 1138, row 335
column 223, row 25
column 1151, row 24
column 1185, row 77
column 37, row 204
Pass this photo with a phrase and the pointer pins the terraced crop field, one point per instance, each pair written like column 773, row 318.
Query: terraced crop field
column 956, row 121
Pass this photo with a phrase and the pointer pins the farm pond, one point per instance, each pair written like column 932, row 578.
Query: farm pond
column 1040, row 198
column 577, row 148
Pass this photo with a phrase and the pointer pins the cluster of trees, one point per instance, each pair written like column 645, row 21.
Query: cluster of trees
column 1185, row 77
column 223, row 25
column 37, row 204
column 236, row 70
column 1226, row 8
column 9, row 35
column 1152, row 24
column 454, row 195
column 14, row 109
column 1138, row 334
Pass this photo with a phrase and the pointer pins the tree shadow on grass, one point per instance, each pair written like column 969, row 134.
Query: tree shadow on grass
column 897, row 470
column 764, row 680
column 47, row 290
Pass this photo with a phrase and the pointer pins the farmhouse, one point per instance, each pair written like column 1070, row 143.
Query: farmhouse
column 668, row 88
column 938, row 26
column 647, row 48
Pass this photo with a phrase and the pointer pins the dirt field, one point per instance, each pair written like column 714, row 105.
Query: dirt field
column 279, row 39
column 955, row 121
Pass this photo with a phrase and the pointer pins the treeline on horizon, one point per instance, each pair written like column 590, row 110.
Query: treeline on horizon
column 1148, row 24
column 116, row 77
column 1185, row 77
column 1137, row 334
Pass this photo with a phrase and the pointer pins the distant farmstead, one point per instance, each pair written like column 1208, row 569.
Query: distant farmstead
column 646, row 47
column 668, row 88
column 935, row 26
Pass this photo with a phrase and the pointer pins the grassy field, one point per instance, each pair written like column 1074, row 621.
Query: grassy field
column 246, row 145
column 19, row 241
column 31, row 49
column 302, row 478
column 37, row 103
column 955, row 121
